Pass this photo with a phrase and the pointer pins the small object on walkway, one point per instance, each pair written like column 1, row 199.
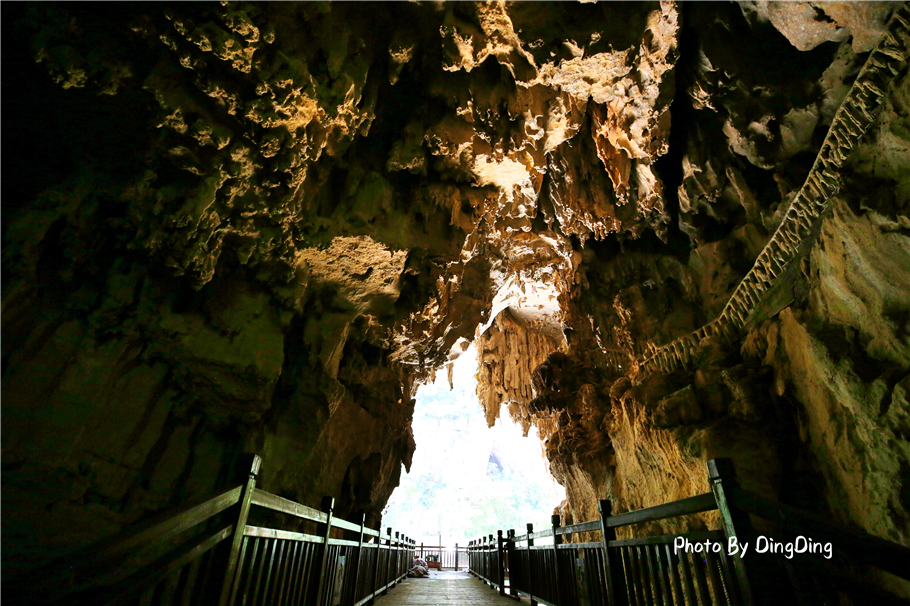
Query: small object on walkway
column 419, row 568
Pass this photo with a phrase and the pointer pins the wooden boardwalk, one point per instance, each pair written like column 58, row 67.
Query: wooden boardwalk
column 444, row 588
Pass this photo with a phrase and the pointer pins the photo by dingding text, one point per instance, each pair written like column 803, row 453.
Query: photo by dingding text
column 762, row 544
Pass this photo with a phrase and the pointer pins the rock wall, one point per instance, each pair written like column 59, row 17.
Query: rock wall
column 806, row 391
column 259, row 227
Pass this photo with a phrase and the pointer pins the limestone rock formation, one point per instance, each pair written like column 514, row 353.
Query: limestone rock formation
column 675, row 231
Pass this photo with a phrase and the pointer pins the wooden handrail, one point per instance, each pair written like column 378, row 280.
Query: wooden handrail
column 155, row 530
column 224, row 564
column 696, row 504
column 119, row 556
column 150, row 576
column 276, row 503
column 643, row 570
column 284, row 535
column 339, row 523
column 541, row 534
column 174, row 524
column 696, row 536
column 583, row 527
column 699, row 536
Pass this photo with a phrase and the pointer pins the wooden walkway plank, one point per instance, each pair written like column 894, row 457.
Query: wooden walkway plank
column 445, row 588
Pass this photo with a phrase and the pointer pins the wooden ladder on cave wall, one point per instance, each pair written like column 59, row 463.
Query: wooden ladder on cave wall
column 646, row 571
column 206, row 553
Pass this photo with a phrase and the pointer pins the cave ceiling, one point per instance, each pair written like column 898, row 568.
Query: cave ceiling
column 379, row 151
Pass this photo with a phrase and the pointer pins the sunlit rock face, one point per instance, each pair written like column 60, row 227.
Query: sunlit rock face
column 258, row 227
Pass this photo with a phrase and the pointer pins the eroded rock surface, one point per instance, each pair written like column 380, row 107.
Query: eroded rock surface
column 259, row 227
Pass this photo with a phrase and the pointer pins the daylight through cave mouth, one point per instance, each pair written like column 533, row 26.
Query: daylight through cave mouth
column 467, row 478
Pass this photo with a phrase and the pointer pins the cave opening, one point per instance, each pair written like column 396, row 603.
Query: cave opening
column 466, row 477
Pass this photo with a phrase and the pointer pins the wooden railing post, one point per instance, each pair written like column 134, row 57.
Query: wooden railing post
column 510, row 551
column 396, row 566
column 405, row 557
column 491, row 572
column 399, row 556
column 376, row 563
column 489, row 567
column 502, row 563
column 471, row 565
column 479, row 557
column 557, row 540
column 388, row 566
column 722, row 476
column 363, row 522
column 402, row 568
column 530, row 576
column 328, row 507
column 249, row 468
column 482, row 558
column 613, row 574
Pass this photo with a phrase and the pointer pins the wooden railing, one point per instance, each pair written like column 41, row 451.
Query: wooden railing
column 448, row 557
column 207, row 553
column 653, row 571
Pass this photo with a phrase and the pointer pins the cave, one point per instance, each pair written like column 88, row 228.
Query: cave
column 672, row 232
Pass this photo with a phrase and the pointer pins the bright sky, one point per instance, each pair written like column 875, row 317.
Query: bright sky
column 466, row 478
